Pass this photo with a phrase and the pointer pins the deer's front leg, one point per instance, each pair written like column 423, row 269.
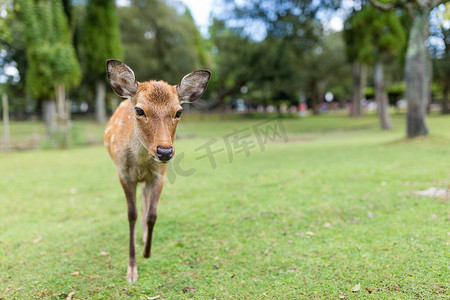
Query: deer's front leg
column 130, row 194
column 151, row 194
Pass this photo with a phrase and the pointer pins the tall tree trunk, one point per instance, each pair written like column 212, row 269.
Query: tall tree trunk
column 314, row 98
column 321, row 94
column 417, row 75
column 381, row 97
column 430, row 80
column 445, row 108
column 62, row 115
column 446, row 86
column 48, row 115
column 359, row 84
column 6, row 133
column 100, row 103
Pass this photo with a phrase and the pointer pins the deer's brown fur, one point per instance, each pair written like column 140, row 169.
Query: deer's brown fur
column 134, row 141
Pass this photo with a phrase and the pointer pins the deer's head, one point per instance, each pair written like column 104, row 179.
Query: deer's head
column 157, row 105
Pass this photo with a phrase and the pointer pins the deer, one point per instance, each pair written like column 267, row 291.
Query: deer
column 140, row 140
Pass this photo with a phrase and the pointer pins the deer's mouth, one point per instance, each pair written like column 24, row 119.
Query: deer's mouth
column 160, row 161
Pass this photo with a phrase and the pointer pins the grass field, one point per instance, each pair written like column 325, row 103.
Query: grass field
column 329, row 214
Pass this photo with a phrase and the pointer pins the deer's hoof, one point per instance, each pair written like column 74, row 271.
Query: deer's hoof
column 147, row 254
column 132, row 274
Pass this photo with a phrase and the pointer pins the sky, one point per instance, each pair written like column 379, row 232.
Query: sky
column 201, row 10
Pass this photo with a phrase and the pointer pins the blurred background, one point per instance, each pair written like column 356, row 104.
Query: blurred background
column 316, row 165
column 283, row 58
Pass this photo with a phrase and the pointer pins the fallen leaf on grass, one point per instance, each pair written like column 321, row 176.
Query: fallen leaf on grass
column 310, row 233
column 356, row 288
column 103, row 253
column 189, row 289
column 69, row 297
column 76, row 273
column 341, row 296
column 153, row 298
column 38, row 240
column 217, row 266
column 434, row 192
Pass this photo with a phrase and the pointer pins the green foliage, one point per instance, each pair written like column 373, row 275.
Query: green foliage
column 441, row 63
column 160, row 43
column 236, row 58
column 282, row 60
column 326, row 65
column 370, row 35
column 100, row 37
column 50, row 54
column 397, row 88
column 5, row 31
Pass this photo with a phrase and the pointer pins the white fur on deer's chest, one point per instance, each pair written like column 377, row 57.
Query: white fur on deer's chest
column 140, row 167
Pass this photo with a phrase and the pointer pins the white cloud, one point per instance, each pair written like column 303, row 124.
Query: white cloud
column 200, row 10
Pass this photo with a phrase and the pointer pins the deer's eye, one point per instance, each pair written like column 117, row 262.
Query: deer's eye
column 139, row 112
column 178, row 114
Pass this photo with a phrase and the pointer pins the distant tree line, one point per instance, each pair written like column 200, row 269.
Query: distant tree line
column 265, row 51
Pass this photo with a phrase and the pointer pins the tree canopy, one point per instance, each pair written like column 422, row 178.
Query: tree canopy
column 370, row 35
column 50, row 54
column 100, row 38
column 159, row 42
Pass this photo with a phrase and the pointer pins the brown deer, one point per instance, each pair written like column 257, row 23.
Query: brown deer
column 139, row 138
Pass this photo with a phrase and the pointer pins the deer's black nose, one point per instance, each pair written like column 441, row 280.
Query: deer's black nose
column 164, row 154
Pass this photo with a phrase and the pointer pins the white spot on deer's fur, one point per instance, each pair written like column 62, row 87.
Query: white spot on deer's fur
column 120, row 123
column 108, row 129
column 106, row 144
column 112, row 138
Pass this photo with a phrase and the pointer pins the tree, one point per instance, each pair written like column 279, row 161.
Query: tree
column 5, row 31
column 100, row 41
column 441, row 66
column 159, row 42
column 13, row 48
column 270, row 61
column 378, row 38
column 417, row 64
column 236, row 63
column 354, row 40
column 52, row 63
column 324, row 68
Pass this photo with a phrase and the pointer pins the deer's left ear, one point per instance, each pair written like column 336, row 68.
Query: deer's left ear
column 193, row 85
column 121, row 78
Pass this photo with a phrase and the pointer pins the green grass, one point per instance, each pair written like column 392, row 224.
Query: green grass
column 308, row 219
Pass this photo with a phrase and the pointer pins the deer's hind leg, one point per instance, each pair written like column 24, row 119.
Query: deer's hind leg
column 151, row 191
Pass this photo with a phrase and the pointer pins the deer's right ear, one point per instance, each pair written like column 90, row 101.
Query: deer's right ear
column 121, row 78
